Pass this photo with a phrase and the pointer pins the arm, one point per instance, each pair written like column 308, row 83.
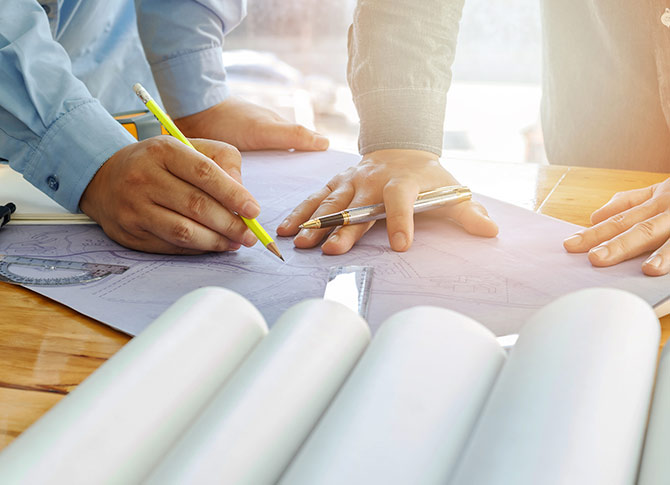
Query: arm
column 400, row 56
column 63, row 141
column 44, row 109
column 183, row 42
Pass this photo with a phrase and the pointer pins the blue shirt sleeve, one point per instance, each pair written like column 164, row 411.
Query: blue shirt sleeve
column 51, row 129
column 183, row 43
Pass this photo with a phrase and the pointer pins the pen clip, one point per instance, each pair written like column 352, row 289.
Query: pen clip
column 440, row 191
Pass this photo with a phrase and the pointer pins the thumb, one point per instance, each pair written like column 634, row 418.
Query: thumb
column 287, row 135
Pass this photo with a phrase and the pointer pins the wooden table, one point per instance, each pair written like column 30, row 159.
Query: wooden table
column 47, row 349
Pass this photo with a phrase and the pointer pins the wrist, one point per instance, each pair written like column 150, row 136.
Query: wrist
column 401, row 155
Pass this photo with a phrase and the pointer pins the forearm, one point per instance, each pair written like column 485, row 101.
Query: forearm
column 400, row 57
column 51, row 129
column 183, row 42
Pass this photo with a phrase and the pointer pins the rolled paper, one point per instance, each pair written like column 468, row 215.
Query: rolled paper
column 115, row 426
column 655, row 466
column 256, row 423
column 409, row 406
column 570, row 405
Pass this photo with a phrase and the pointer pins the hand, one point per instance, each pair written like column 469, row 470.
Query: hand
column 161, row 196
column 249, row 127
column 395, row 177
column 631, row 223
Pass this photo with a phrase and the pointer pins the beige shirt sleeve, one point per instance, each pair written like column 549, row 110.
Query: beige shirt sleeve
column 400, row 57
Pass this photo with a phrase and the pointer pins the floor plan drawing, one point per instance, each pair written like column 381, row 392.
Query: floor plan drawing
column 499, row 281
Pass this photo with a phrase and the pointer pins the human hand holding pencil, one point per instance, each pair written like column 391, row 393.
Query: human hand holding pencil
column 159, row 195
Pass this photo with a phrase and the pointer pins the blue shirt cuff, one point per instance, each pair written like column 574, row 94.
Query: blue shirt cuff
column 72, row 150
column 193, row 82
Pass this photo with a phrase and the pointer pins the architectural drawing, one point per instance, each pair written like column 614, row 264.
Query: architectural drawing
column 498, row 281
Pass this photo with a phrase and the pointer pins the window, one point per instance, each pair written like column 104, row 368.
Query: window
column 291, row 55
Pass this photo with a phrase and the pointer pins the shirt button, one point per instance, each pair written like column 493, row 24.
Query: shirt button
column 52, row 182
column 665, row 18
column 47, row 9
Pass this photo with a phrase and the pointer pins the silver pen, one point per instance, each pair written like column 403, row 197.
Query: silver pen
column 432, row 199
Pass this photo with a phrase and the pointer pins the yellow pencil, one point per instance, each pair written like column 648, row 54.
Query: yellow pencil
column 172, row 129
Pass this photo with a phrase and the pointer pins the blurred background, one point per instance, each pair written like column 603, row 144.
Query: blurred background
column 291, row 55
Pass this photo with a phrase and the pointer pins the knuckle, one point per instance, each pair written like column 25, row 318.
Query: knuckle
column 230, row 154
column 196, row 204
column 393, row 186
column 204, row 169
column 299, row 131
column 136, row 178
column 646, row 229
column 182, row 232
column 155, row 146
column 315, row 197
column 619, row 222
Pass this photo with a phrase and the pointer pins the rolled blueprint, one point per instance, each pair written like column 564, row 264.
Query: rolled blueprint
column 570, row 404
column 405, row 412
column 256, row 423
column 117, row 424
column 655, row 466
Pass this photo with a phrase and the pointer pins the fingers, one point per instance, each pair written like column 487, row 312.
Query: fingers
column 611, row 227
column 336, row 201
column 474, row 218
column 146, row 241
column 289, row 226
column 179, row 231
column 224, row 155
column 192, row 203
column 620, row 202
column 658, row 264
column 284, row 136
column 643, row 236
column 203, row 173
column 343, row 238
column 399, row 198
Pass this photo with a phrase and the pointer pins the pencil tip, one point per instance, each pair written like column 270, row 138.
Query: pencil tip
column 275, row 250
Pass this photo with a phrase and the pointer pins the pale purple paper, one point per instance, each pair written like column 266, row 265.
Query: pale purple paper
column 498, row 282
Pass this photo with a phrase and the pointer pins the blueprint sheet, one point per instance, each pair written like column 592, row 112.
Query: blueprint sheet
column 498, row 282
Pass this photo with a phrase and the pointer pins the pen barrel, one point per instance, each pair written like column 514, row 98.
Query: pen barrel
column 378, row 211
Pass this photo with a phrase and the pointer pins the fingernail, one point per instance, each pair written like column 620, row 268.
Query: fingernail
column 302, row 233
column 399, row 240
column 285, row 223
column 234, row 246
column 334, row 238
column 249, row 239
column 574, row 240
column 251, row 209
column 655, row 261
column 322, row 142
column 601, row 252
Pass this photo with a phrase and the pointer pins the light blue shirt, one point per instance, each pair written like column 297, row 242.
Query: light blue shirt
column 65, row 65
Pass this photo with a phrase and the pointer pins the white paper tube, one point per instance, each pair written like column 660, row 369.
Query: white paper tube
column 570, row 405
column 655, row 467
column 407, row 409
column 117, row 424
column 255, row 424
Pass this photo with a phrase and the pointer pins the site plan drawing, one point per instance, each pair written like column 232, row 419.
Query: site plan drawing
column 499, row 281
